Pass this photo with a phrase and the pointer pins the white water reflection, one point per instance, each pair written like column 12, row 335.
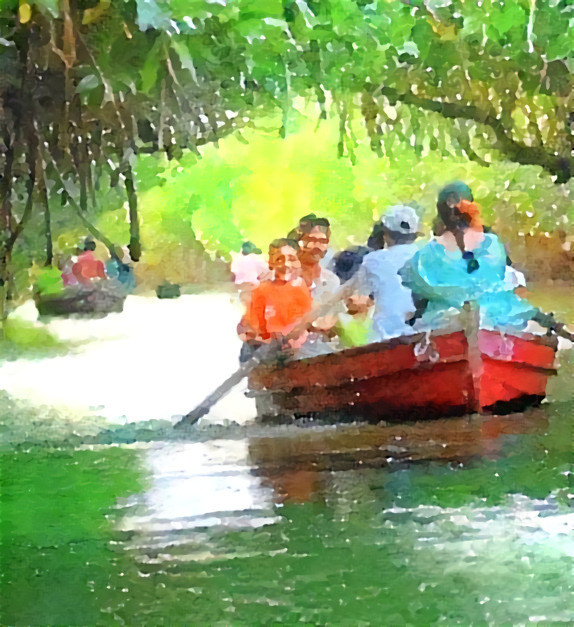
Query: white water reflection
column 156, row 360
column 197, row 485
column 527, row 545
column 521, row 519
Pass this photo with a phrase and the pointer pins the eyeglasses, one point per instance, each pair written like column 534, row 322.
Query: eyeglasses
column 471, row 263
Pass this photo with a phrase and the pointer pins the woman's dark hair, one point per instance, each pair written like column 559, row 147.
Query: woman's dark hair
column 347, row 262
column 449, row 218
column 89, row 244
column 448, row 198
column 376, row 239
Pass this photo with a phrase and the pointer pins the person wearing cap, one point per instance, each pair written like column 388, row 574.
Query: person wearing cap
column 464, row 263
column 248, row 269
column 378, row 274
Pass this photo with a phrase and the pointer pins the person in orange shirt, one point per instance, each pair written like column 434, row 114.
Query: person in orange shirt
column 278, row 304
column 88, row 267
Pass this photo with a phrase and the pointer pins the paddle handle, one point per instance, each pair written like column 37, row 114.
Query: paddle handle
column 548, row 321
column 203, row 408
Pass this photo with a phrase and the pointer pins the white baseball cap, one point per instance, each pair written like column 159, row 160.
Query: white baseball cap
column 401, row 219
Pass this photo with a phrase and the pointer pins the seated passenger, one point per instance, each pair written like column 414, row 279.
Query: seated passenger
column 322, row 283
column 119, row 268
column 276, row 305
column 347, row 262
column 305, row 223
column 313, row 245
column 248, row 269
column 66, row 266
column 378, row 273
column 463, row 263
column 355, row 327
column 88, row 268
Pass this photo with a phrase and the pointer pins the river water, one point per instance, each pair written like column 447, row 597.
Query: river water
column 113, row 518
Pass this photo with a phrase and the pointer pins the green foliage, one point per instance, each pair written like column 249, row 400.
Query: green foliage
column 258, row 190
column 436, row 90
column 49, row 282
column 25, row 339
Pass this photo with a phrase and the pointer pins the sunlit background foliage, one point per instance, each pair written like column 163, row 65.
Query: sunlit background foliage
column 182, row 128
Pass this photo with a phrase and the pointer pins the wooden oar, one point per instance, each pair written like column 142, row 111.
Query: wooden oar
column 263, row 353
column 549, row 322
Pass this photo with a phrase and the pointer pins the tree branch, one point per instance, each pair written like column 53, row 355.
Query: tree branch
column 559, row 166
column 75, row 206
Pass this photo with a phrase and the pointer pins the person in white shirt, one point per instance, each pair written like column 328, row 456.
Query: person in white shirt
column 322, row 283
column 327, row 261
column 378, row 274
column 248, row 269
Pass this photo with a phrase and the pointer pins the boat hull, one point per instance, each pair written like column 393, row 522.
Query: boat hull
column 409, row 378
column 96, row 302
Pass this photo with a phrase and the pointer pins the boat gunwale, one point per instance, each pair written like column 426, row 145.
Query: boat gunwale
column 386, row 345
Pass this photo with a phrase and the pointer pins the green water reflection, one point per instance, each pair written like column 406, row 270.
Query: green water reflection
column 56, row 556
column 269, row 526
column 184, row 532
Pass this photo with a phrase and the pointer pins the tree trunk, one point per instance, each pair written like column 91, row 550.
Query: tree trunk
column 4, row 263
column 135, row 243
column 6, row 256
column 5, row 191
column 43, row 193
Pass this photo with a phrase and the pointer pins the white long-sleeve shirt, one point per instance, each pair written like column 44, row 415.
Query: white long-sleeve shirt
column 378, row 275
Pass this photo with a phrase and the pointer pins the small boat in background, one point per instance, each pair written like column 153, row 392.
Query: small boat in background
column 96, row 300
column 453, row 372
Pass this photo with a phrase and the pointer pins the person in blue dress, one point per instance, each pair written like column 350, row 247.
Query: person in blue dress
column 463, row 263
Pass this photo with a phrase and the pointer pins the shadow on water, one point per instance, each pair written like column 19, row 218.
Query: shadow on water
column 281, row 458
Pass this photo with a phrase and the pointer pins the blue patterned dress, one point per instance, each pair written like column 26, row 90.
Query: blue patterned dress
column 448, row 279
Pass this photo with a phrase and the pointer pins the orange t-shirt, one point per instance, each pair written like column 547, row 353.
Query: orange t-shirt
column 88, row 267
column 277, row 307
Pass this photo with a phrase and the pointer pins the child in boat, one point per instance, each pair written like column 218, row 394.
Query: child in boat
column 276, row 305
column 355, row 327
column 88, row 268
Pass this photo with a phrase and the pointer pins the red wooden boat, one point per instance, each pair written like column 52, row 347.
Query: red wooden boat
column 450, row 373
